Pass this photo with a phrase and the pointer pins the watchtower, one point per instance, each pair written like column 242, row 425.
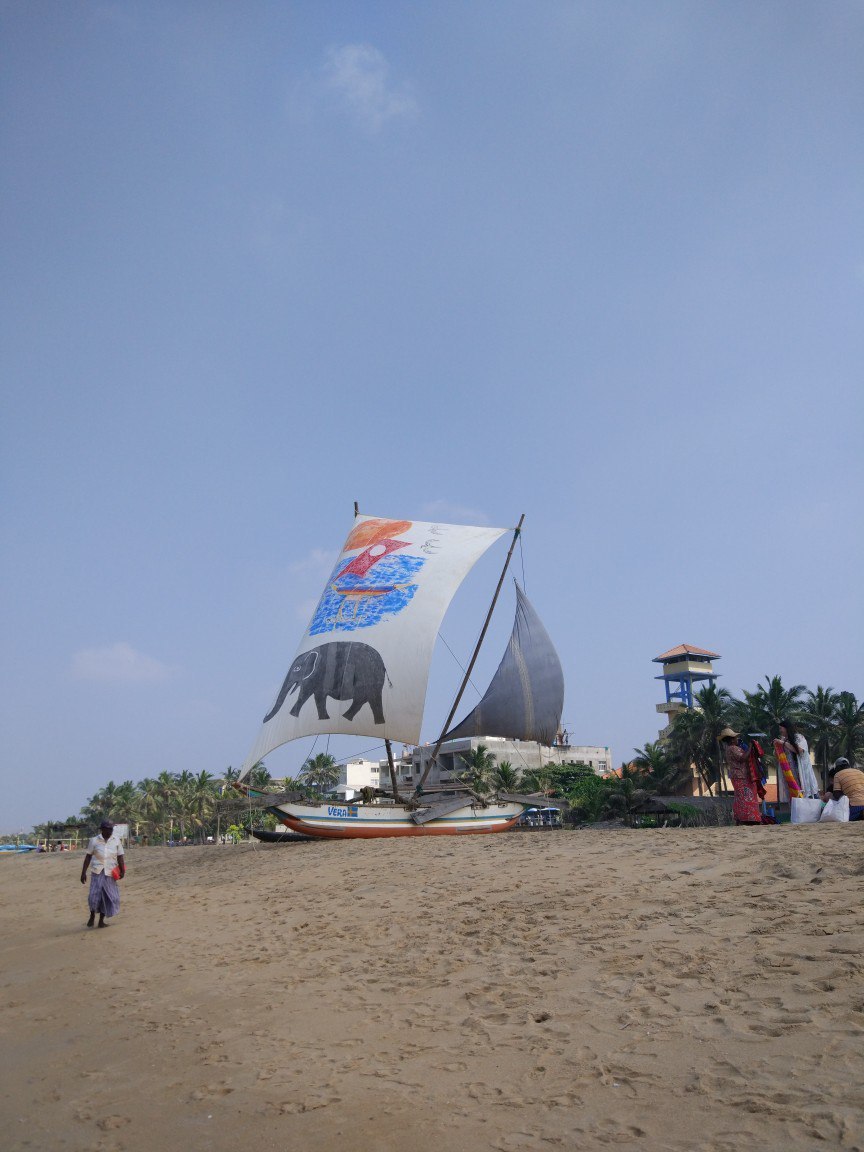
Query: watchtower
column 683, row 667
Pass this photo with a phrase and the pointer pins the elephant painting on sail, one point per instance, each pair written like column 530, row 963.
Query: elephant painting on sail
column 343, row 669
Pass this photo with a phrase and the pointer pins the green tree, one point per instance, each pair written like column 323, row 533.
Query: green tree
column 320, row 773
column 166, row 785
column 665, row 774
column 763, row 709
column 587, row 797
column 850, row 726
column 479, row 765
column 696, row 732
column 505, row 777
column 564, row 776
column 653, row 758
column 203, row 798
column 105, row 804
column 259, row 777
column 538, row 780
column 185, row 800
column 819, row 720
column 150, row 803
column 625, row 792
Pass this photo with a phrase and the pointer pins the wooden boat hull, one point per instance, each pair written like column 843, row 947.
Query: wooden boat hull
column 284, row 837
column 358, row 821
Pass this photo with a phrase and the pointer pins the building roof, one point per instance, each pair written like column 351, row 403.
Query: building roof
column 684, row 650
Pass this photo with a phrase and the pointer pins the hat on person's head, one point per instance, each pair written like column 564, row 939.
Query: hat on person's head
column 727, row 732
column 107, row 824
column 840, row 762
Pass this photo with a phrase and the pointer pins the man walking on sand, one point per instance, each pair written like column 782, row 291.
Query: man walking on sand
column 109, row 865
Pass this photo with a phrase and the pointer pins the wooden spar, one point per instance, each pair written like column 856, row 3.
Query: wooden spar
column 356, row 509
column 516, row 532
column 394, row 783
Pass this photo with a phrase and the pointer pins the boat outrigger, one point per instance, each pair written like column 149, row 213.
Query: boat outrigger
column 399, row 576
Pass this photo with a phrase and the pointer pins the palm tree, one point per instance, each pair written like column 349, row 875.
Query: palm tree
column 769, row 704
column 185, row 799
column 259, row 777
column 665, row 774
column 230, row 776
column 696, row 733
column 103, row 804
column 850, row 726
column 320, row 773
column 506, row 777
column 819, row 719
column 150, row 802
column 537, row 780
column 652, row 758
column 203, row 800
column 167, row 789
column 626, row 791
column 479, row 766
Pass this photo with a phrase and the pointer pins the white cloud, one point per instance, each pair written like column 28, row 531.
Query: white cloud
column 118, row 662
column 319, row 562
column 454, row 513
column 357, row 76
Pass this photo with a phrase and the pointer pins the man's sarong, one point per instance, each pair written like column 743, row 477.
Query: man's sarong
column 104, row 895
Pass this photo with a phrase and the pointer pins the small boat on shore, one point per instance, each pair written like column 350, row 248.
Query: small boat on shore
column 282, row 836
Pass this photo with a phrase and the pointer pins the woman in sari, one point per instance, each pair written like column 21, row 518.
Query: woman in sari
column 791, row 746
column 745, row 784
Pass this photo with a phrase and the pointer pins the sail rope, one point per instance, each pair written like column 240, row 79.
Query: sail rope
column 522, row 559
column 458, row 661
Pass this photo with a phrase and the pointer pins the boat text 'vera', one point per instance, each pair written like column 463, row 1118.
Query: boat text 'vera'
column 362, row 668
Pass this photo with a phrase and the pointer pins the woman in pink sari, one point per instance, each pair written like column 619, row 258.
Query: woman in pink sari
column 745, row 806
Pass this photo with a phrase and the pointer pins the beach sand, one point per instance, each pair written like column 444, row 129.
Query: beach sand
column 655, row 989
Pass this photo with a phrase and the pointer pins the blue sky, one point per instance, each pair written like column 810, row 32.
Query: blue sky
column 601, row 263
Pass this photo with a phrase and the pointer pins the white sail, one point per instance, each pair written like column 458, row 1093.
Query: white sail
column 363, row 664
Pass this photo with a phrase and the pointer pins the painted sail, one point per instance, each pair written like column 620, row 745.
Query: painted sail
column 362, row 666
column 525, row 699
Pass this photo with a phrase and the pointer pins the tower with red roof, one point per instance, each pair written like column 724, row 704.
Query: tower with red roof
column 683, row 667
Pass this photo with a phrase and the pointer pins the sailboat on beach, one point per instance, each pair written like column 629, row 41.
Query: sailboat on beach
column 362, row 668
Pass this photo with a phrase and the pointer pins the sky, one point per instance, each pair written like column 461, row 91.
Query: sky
column 600, row 263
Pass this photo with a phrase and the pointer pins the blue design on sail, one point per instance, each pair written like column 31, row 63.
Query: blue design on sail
column 365, row 592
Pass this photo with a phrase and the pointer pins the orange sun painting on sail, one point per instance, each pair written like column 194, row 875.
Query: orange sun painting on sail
column 374, row 583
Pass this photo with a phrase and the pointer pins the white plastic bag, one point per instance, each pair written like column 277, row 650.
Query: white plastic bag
column 804, row 811
column 836, row 810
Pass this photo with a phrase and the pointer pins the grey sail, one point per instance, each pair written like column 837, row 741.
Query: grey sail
column 526, row 696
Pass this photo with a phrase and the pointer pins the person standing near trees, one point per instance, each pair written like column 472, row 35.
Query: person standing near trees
column 798, row 754
column 745, row 785
column 105, row 851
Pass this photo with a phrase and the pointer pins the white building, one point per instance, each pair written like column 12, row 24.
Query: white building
column 359, row 773
column 521, row 754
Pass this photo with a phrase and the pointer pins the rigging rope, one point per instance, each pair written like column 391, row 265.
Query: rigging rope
column 458, row 661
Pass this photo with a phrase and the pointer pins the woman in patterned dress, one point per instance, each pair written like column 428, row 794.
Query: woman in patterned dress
column 745, row 806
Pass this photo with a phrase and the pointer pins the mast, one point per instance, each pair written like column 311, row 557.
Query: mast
column 394, row 783
column 516, row 533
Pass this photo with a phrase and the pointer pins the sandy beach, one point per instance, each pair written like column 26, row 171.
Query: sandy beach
column 669, row 989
